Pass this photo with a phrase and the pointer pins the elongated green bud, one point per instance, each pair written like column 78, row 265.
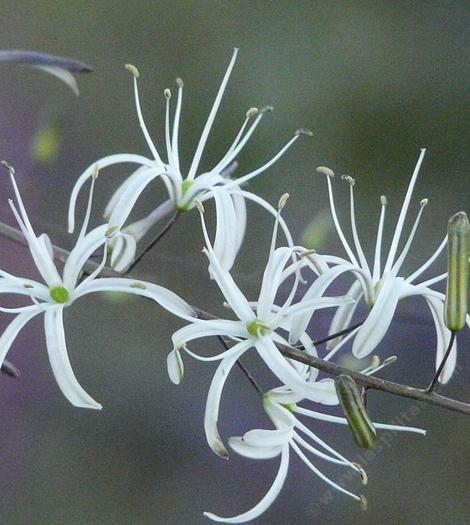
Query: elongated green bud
column 355, row 411
column 458, row 250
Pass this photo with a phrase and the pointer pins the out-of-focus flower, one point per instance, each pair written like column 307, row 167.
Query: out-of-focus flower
column 381, row 287
column 291, row 434
column 255, row 327
column 60, row 291
column 184, row 189
column 60, row 67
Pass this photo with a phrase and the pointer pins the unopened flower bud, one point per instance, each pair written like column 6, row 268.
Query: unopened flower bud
column 355, row 411
column 458, row 250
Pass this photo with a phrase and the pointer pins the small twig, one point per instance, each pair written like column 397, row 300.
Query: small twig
column 160, row 235
column 443, row 362
column 332, row 369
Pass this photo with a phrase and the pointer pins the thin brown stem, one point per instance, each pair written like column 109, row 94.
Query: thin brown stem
column 154, row 241
column 443, row 362
column 332, row 369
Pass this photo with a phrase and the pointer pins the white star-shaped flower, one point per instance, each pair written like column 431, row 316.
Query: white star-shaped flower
column 255, row 327
column 184, row 189
column 381, row 286
column 60, row 291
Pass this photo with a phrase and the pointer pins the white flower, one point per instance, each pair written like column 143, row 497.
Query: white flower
column 183, row 190
column 255, row 327
column 292, row 435
column 380, row 286
column 60, row 291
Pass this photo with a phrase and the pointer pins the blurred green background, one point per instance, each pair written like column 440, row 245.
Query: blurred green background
column 375, row 82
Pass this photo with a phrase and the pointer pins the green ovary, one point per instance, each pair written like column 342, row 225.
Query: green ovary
column 256, row 328
column 59, row 294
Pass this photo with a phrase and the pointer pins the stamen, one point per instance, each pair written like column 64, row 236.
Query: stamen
column 167, row 93
column 304, row 131
column 357, row 242
column 283, row 201
column 325, row 171
column 180, row 83
column 252, row 112
column 199, row 206
column 143, row 127
column 133, row 70
column 111, row 231
column 363, row 501
column 396, row 267
column 362, row 473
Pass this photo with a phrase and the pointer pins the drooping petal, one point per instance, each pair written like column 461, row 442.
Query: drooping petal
column 100, row 164
column 175, row 366
column 344, row 314
column 139, row 228
column 320, row 392
column 12, row 330
column 164, row 297
column 201, row 328
column 213, row 398
column 60, row 364
column 110, row 207
column 129, row 197
column 378, row 321
column 80, row 254
column 123, row 249
column 261, row 437
column 226, row 236
column 267, row 500
column 248, row 451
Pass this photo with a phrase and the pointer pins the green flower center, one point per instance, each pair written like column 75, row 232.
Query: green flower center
column 185, row 185
column 59, row 294
column 256, row 328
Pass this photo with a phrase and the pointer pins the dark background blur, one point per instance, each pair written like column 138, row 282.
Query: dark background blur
column 375, row 82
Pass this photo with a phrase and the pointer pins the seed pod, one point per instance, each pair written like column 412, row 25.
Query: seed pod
column 458, row 249
column 355, row 411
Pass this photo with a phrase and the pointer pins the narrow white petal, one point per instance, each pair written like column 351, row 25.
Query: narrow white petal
column 226, row 235
column 175, row 366
column 164, row 297
column 210, row 119
column 320, row 392
column 200, row 328
column 123, row 251
column 428, row 263
column 268, row 499
column 102, row 163
column 402, row 216
column 261, row 437
column 242, row 448
column 344, row 314
column 62, row 74
column 213, row 398
column 12, row 330
column 129, row 197
column 379, row 319
column 80, row 254
column 112, row 203
column 60, row 364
